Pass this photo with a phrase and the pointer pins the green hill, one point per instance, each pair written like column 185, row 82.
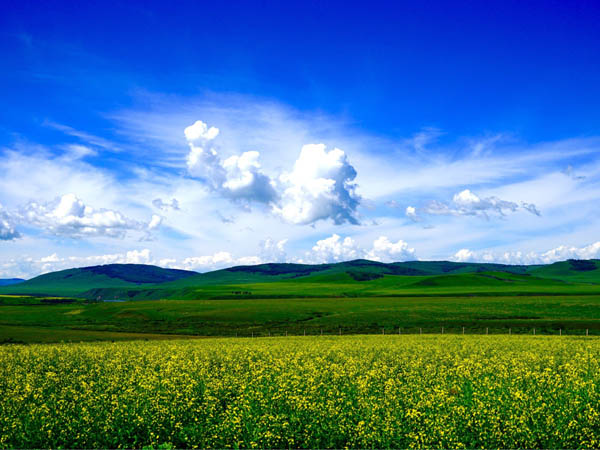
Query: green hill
column 344, row 279
column 73, row 282
column 573, row 270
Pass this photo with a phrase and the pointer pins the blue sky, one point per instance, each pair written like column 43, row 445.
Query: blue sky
column 387, row 130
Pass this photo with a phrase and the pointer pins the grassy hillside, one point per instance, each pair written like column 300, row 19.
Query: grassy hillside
column 331, row 284
column 72, row 282
column 353, row 297
column 579, row 271
column 346, row 279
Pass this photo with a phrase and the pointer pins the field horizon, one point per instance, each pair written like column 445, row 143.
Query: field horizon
column 354, row 297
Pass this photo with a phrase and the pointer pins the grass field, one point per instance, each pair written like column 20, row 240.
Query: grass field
column 316, row 392
column 274, row 299
column 548, row 314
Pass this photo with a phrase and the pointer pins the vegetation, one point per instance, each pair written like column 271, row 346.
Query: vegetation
column 73, row 282
column 9, row 281
column 275, row 299
column 264, row 317
column 313, row 392
column 360, row 277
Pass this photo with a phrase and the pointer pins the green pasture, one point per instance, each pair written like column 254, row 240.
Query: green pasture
column 572, row 314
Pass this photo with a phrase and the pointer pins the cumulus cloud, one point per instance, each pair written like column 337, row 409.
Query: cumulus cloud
column 244, row 179
column 218, row 260
column 159, row 203
column 386, row 251
column 273, row 251
column 560, row 253
column 411, row 213
column 7, row 227
column 320, row 186
column 69, row 216
column 199, row 131
column 467, row 203
column 337, row 249
column 238, row 177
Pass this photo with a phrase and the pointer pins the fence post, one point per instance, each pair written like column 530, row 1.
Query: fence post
column 253, row 334
column 399, row 330
column 586, row 331
column 442, row 330
column 305, row 332
column 534, row 331
column 420, row 330
column 509, row 331
column 340, row 331
column 321, row 331
column 463, row 330
column 285, row 333
column 486, row 330
column 383, row 331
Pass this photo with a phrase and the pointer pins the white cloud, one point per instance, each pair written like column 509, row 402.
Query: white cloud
column 76, row 151
column 334, row 249
column 560, row 253
column 155, row 222
column 273, row 251
column 467, row 203
column 386, row 251
column 337, row 249
column 68, row 216
column 321, row 186
column 238, row 177
column 158, row 203
column 137, row 257
column 463, row 255
column 206, row 164
column 218, row 260
column 411, row 213
column 199, row 131
column 244, row 180
column 7, row 227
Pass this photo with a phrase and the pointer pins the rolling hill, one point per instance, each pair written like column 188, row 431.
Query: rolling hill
column 72, row 282
column 351, row 297
column 284, row 280
column 573, row 270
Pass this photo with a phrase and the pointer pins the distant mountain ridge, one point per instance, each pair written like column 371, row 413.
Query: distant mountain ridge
column 146, row 281
column 10, row 281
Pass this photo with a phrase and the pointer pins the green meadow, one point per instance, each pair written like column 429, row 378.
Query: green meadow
column 359, row 297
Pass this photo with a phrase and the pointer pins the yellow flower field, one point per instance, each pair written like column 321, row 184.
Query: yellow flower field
column 351, row 391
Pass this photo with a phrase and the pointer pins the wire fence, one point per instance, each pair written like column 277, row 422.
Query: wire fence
column 413, row 330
